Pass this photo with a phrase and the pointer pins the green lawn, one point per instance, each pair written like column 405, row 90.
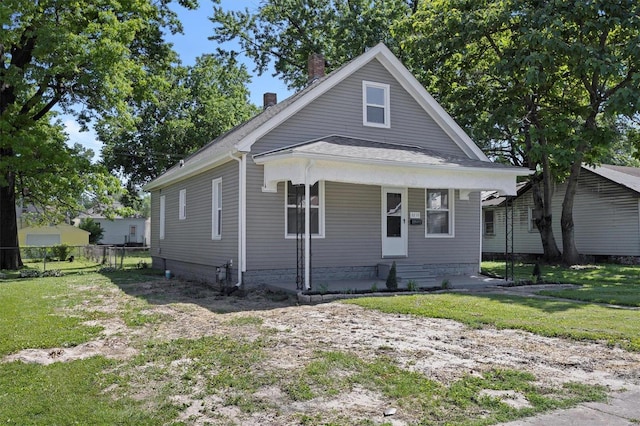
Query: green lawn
column 42, row 313
column 603, row 283
column 577, row 321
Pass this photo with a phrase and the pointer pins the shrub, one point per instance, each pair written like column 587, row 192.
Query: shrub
column 29, row 273
column 61, row 251
column 392, row 279
column 90, row 225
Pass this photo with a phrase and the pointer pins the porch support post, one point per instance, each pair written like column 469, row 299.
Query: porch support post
column 307, row 227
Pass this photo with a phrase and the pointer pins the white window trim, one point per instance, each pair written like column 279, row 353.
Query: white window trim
column 530, row 227
column 163, row 204
column 484, row 223
column 182, row 212
column 216, row 193
column 386, row 106
column 451, row 210
column 320, row 233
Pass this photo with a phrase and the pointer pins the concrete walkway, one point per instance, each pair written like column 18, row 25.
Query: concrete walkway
column 622, row 409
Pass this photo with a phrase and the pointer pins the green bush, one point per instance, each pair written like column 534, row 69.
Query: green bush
column 93, row 227
column 392, row 279
column 33, row 253
column 61, row 252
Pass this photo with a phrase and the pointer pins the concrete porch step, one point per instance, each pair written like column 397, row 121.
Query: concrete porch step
column 406, row 273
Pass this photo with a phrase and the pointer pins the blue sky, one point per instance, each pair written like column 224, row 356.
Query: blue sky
column 193, row 43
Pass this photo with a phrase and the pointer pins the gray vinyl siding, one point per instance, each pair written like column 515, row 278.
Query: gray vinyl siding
column 352, row 229
column 190, row 240
column 339, row 111
column 605, row 216
column 464, row 247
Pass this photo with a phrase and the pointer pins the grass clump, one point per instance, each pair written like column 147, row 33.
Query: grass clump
column 68, row 393
column 32, row 316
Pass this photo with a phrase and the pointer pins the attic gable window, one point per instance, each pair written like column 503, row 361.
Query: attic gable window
column 375, row 104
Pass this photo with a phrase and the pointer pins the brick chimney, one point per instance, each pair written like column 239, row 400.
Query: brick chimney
column 269, row 99
column 316, row 67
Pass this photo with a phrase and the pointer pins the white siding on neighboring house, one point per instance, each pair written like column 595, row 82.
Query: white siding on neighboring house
column 123, row 230
column 605, row 215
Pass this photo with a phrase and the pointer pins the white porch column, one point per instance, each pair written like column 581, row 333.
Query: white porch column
column 307, row 228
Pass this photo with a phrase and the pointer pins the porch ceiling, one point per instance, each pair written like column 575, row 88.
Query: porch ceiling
column 358, row 161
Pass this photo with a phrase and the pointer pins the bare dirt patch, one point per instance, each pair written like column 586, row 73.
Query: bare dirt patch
column 441, row 350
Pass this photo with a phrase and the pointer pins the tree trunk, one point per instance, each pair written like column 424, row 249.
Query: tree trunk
column 570, row 255
column 9, row 249
column 544, row 218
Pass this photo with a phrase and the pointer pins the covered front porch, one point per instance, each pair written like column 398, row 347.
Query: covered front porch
column 417, row 191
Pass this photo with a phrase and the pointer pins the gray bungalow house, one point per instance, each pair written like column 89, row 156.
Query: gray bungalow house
column 359, row 169
column 605, row 214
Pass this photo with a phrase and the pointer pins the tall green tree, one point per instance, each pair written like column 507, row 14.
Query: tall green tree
column 286, row 32
column 190, row 107
column 540, row 81
column 86, row 57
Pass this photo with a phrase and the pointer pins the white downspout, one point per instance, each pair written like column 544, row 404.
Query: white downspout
column 307, row 227
column 242, row 162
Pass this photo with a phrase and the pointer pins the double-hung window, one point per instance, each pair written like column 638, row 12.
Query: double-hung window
column 216, row 209
column 489, row 222
column 295, row 209
column 375, row 104
column 439, row 213
column 531, row 220
column 182, row 213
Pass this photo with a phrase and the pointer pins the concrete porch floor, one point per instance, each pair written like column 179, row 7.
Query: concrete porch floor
column 456, row 282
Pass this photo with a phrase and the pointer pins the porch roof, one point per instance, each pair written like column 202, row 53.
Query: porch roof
column 360, row 161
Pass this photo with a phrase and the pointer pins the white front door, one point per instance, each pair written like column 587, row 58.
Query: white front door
column 394, row 222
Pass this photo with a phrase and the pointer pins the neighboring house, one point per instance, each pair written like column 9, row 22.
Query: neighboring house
column 39, row 236
column 120, row 230
column 605, row 215
column 385, row 172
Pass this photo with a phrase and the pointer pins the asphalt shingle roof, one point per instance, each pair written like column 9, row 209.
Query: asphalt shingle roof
column 349, row 148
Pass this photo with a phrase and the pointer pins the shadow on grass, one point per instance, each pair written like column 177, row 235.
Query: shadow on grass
column 151, row 286
column 541, row 304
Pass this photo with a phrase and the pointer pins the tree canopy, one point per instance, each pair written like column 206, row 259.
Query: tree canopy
column 85, row 57
column 541, row 84
column 288, row 31
column 190, row 107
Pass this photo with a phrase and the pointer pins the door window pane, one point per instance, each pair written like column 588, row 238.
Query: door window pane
column 394, row 214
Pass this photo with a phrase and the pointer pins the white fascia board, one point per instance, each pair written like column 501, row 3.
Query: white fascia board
column 187, row 171
column 470, row 179
column 260, row 160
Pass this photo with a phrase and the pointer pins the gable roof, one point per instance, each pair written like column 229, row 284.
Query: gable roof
column 629, row 177
column 242, row 137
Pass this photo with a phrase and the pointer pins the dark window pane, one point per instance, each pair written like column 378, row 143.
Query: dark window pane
column 437, row 222
column 375, row 114
column 394, row 203
column 314, row 219
column 394, row 228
